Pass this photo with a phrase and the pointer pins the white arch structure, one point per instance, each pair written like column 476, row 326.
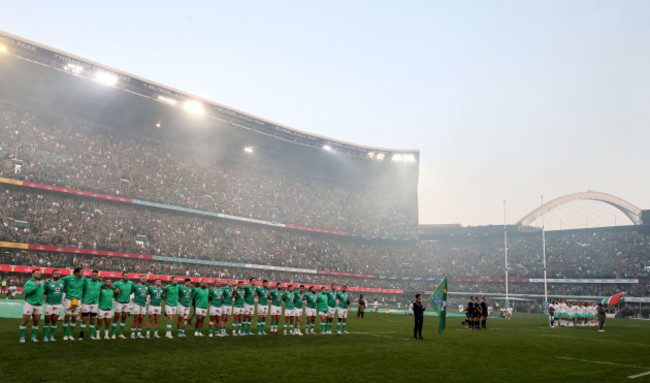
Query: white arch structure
column 630, row 210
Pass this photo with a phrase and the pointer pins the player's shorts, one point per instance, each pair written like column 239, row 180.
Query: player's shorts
column 276, row 310
column 170, row 310
column 182, row 310
column 53, row 309
column 297, row 312
column 72, row 306
column 249, row 309
column 87, row 309
column 238, row 310
column 104, row 314
column 262, row 309
column 331, row 311
column 215, row 311
column 289, row 313
column 226, row 310
column 200, row 312
column 154, row 310
column 310, row 312
column 122, row 307
column 343, row 313
column 322, row 313
column 139, row 310
column 30, row 309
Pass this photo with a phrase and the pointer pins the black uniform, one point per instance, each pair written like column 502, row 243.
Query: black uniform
column 484, row 313
column 418, row 314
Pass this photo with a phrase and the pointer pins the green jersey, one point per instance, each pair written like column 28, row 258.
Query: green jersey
column 171, row 295
column 54, row 292
column 262, row 296
column 227, row 296
column 216, row 297
column 74, row 287
column 106, row 298
column 201, row 297
column 239, row 297
column 297, row 299
column 141, row 293
column 288, row 300
column 91, row 291
column 331, row 298
column 126, row 288
column 249, row 294
column 156, row 294
column 321, row 302
column 33, row 293
column 310, row 299
column 185, row 295
column 276, row 297
column 343, row 300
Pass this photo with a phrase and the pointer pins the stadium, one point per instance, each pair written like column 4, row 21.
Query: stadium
column 107, row 171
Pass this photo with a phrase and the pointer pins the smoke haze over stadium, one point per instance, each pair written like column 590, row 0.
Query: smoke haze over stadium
column 503, row 99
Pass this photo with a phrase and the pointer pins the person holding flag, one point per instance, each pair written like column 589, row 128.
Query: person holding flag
column 439, row 304
column 418, row 314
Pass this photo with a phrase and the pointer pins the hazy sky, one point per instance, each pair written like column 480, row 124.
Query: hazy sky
column 504, row 99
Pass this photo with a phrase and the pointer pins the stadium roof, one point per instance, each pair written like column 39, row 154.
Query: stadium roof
column 28, row 50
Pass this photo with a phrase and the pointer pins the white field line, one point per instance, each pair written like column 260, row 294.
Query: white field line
column 611, row 364
column 597, row 340
column 639, row 375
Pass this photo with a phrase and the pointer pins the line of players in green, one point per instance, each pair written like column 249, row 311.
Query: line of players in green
column 101, row 302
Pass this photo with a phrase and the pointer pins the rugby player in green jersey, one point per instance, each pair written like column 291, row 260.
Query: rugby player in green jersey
column 216, row 301
column 53, row 305
column 298, row 298
column 276, row 307
column 289, row 307
column 238, row 310
column 249, row 305
column 106, row 294
column 201, row 297
column 226, row 309
column 310, row 310
column 344, row 302
column 183, row 308
column 123, row 289
column 331, row 308
column 321, row 306
column 33, row 307
column 74, row 291
column 170, row 295
column 262, row 293
column 90, row 304
column 141, row 293
column 155, row 301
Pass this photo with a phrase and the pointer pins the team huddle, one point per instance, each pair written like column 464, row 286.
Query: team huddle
column 571, row 314
column 104, row 303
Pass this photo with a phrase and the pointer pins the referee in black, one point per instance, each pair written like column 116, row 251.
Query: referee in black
column 418, row 314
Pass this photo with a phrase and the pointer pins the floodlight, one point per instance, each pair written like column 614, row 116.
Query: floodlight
column 327, row 147
column 380, row 156
column 3, row 49
column 248, row 149
column 158, row 125
column 371, row 154
column 194, row 106
column 106, row 78
column 397, row 157
column 408, row 158
column 74, row 68
column 168, row 100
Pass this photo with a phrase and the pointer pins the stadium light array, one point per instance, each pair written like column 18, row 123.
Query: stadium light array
column 408, row 158
column 106, row 78
column 380, row 156
column 397, row 157
column 327, row 147
column 167, row 100
column 371, row 154
column 194, row 106
column 74, row 68
column 3, row 49
column 249, row 149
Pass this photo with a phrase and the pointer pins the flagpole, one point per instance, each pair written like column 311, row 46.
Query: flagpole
column 544, row 258
column 505, row 247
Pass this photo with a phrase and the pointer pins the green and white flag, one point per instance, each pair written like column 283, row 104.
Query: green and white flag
column 439, row 304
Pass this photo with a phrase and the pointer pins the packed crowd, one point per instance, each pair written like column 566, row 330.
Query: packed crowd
column 73, row 154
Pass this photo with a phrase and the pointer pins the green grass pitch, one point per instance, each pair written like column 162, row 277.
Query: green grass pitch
column 380, row 348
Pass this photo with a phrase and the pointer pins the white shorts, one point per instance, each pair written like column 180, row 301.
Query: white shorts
column 154, row 310
column 298, row 312
column 310, row 312
column 215, row 311
column 322, row 313
column 200, row 312
column 30, row 309
column 122, row 307
column 53, row 309
column 86, row 309
column 238, row 310
column 262, row 309
column 104, row 314
column 226, row 310
column 289, row 313
column 249, row 309
column 139, row 310
column 331, row 311
column 182, row 310
column 170, row 310
column 276, row 310
column 67, row 307
column 343, row 313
